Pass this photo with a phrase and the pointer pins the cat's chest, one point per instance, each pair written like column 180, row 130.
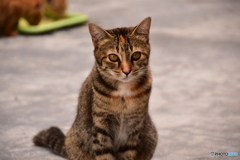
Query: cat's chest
column 121, row 136
column 124, row 90
column 127, row 125
column 123, row 98
column 127, row 99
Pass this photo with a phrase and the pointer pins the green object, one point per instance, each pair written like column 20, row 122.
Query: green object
column 47, row 25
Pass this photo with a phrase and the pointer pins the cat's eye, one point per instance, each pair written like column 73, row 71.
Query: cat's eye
column 136, row 56
column 113, row 57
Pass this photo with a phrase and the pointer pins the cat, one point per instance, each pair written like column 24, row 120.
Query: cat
column 55, row 9
column 12, row 10
column 112, row 122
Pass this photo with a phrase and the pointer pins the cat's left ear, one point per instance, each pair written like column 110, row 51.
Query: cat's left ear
column 97, row 33
column 143, row 28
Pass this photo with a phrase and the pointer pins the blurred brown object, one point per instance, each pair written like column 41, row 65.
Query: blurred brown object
column 55, row 9
column 12, row 10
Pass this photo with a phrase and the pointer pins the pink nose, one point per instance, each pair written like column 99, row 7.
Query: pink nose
column 126, row 69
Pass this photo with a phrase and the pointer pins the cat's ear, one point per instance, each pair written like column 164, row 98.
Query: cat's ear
column 143, row 28
column 97, row 33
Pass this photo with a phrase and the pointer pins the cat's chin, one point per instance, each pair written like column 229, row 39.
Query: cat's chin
column 126, row 79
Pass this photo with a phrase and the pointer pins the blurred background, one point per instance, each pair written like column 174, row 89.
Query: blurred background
column 195, row 60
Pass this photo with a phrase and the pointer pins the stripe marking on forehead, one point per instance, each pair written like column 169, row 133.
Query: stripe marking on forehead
column 122, row 39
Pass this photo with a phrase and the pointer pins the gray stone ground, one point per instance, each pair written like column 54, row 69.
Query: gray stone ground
column 195, row 102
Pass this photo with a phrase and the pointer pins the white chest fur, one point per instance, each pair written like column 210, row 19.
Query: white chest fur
column 121, row 136
column 124, row 90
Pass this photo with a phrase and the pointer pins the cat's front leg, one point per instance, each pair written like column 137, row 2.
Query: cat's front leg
column 129, row 150
column 103, row 144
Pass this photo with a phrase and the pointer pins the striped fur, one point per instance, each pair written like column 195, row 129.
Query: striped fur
column 112, row 121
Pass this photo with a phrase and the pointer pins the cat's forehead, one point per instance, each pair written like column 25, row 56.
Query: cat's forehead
column 124, row 31
column 121, row 35
column 122, row 41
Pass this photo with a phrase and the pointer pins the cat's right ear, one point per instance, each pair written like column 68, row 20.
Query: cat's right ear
column 143, row 28
column 97, row 33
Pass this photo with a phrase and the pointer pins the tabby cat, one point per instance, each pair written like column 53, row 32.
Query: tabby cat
column 12, row 10
column 112, row 121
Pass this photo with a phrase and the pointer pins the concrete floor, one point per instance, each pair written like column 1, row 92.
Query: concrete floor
column 195, row 59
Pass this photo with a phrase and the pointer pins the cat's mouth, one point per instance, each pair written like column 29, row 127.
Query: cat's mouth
column 126, row 79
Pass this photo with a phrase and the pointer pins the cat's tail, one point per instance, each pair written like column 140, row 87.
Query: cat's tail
column 52, row 138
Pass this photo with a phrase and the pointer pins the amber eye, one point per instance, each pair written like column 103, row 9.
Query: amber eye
column 136, row 56
column 113, row 57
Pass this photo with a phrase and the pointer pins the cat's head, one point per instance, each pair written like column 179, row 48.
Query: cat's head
column 122, row 53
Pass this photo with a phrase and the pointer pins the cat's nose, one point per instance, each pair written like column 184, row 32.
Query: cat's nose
column 126, row 72
column 126, row 68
